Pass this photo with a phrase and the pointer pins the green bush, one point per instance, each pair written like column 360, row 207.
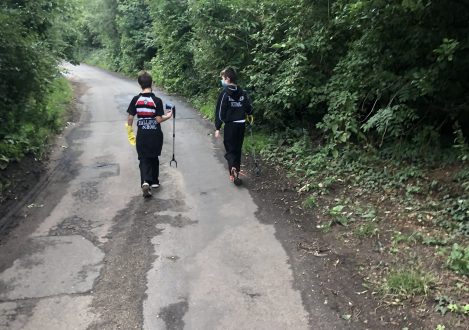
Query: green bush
column 458, row 260
column 35, row 37
column 31, row 134
column 334, row 66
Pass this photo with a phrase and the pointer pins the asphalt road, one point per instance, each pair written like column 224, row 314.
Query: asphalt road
column 99, row 256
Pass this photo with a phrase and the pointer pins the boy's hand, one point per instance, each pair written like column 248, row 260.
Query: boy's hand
column 217, row 133
column 130, row 134
column 171, row 111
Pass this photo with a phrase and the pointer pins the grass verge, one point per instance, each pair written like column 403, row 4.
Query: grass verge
column 33, row 132
column 406, row 283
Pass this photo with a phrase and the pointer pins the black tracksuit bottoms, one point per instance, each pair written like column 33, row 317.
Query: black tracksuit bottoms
column 233, row 141
column 149, row 170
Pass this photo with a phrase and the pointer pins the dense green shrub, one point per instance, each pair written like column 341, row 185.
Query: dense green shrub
column 35, row 38
column 388, row 75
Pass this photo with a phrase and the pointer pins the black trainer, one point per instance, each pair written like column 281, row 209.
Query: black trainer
column 237, row 181
column 146, row 190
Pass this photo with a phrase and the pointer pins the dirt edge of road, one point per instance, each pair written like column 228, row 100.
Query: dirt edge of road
column 27, row 177
column 321, row 267
column 345, row 267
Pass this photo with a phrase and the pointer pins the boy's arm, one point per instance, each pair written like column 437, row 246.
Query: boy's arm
column 165, row 117
column 132, row 111
column 219, row 112
column 160, row 113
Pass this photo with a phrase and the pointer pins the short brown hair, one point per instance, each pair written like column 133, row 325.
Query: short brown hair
column 144, row 79
column 229, row 73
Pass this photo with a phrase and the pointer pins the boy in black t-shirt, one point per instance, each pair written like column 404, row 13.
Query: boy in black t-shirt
column 150, row 114
column 233, row 106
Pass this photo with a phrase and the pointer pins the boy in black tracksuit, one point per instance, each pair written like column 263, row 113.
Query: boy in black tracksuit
column 150, row 113
column 232, row 107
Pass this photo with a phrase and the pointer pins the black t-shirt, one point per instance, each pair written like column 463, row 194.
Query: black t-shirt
column 146, row 106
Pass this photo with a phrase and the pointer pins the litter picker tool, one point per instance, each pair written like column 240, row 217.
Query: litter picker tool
column 171, row 107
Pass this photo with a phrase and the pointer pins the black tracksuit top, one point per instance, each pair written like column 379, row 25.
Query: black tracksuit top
column 232, row 106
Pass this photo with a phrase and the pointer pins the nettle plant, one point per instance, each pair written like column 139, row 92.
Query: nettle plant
column 458, row 259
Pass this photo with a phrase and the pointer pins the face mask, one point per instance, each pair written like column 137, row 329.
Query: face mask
column 223, row 83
